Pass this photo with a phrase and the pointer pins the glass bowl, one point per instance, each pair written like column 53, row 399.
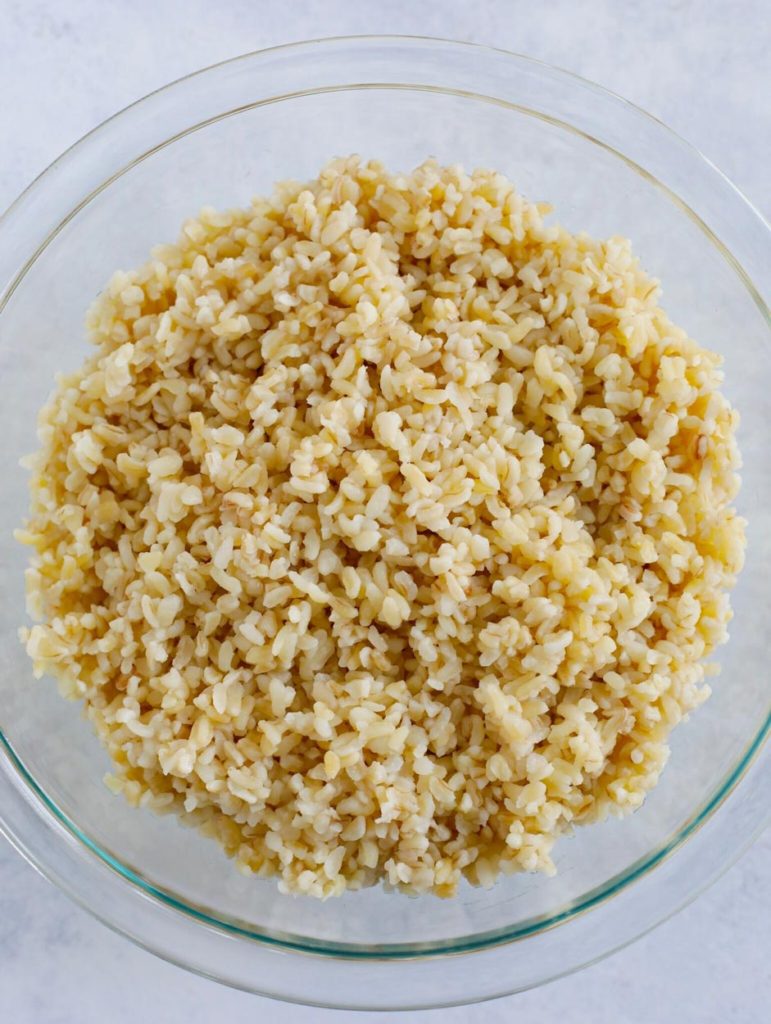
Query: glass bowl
column 219, row 137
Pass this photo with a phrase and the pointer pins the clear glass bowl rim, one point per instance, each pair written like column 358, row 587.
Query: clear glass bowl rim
column 14, row 772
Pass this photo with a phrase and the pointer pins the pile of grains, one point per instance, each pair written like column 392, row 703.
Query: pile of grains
column 385, row 531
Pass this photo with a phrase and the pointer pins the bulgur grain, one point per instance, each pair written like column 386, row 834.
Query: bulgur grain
column 386, row 530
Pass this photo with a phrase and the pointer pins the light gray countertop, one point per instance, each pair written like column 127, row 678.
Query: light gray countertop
column 700, row 66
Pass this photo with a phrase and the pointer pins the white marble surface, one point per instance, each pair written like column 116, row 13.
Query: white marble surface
column 699, row 65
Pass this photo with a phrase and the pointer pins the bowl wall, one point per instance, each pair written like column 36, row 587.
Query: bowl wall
column 221, row 151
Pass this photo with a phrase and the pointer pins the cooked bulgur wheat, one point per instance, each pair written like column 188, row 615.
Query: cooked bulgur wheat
column 385, row 532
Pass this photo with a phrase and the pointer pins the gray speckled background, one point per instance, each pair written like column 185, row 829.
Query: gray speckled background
column 699, row 65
